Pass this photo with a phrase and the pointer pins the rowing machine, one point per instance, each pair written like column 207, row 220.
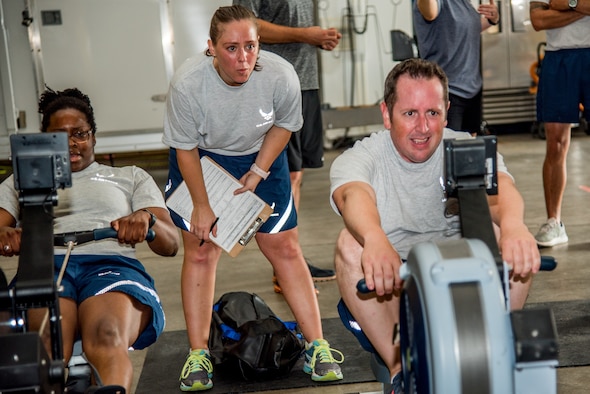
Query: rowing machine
column 457, row 334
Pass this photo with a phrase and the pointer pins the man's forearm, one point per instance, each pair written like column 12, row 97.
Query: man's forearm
column 358, row 209
column 271, row 33
column 508, row 206
column 543, row 17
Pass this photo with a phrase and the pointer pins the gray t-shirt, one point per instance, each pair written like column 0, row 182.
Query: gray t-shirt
column 99, row 195
column 203, row 111
column 410, row 196
column 293, row 13
column 452, row 41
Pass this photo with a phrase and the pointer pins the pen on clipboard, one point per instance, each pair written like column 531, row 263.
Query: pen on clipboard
column 211, row 229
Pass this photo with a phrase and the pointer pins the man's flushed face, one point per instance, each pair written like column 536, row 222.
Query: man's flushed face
column 417, row 118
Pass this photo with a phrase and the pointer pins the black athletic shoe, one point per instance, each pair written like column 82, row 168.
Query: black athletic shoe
column 320, row 274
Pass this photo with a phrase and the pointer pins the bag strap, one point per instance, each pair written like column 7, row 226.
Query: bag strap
column 292, row 326
column 226, row 331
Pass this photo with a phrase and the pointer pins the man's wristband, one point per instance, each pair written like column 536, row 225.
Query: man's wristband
column 152, row 217
column 259, row 171
column 493, row 23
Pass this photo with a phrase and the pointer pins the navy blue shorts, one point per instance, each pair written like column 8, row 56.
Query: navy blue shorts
column 564, row 83
column 275, row 190
column 92, row 275
column 352, row 325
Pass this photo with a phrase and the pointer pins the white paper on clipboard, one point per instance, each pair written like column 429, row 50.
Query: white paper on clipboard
column 240, row 216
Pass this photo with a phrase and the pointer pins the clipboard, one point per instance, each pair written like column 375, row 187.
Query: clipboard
column 240, row 216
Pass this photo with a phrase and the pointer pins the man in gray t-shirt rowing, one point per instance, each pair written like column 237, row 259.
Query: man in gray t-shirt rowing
column 387, row 189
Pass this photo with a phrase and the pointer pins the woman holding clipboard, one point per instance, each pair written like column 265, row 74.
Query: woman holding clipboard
column 238, row 105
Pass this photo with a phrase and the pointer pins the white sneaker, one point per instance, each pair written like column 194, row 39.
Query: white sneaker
column 551, row 233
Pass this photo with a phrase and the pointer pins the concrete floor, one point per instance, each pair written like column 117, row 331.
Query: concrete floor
column 319, row 226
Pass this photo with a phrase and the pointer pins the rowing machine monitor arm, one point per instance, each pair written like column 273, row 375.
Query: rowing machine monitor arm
column 41, row 165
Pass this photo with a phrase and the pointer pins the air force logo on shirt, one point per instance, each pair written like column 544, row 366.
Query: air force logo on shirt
column 268, row 117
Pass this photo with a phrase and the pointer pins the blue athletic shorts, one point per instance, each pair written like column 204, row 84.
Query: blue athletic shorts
column 275, row 190
column 564, row 83
column 92, row 275
column 352, row 325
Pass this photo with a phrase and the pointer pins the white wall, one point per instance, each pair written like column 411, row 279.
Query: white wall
column 191, row 20
column 123, row 52
column 18, row 63
column 373, row 58
column 348, row 82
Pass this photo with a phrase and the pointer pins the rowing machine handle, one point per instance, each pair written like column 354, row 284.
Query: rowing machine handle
column 548, row 263
column 110, row 232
